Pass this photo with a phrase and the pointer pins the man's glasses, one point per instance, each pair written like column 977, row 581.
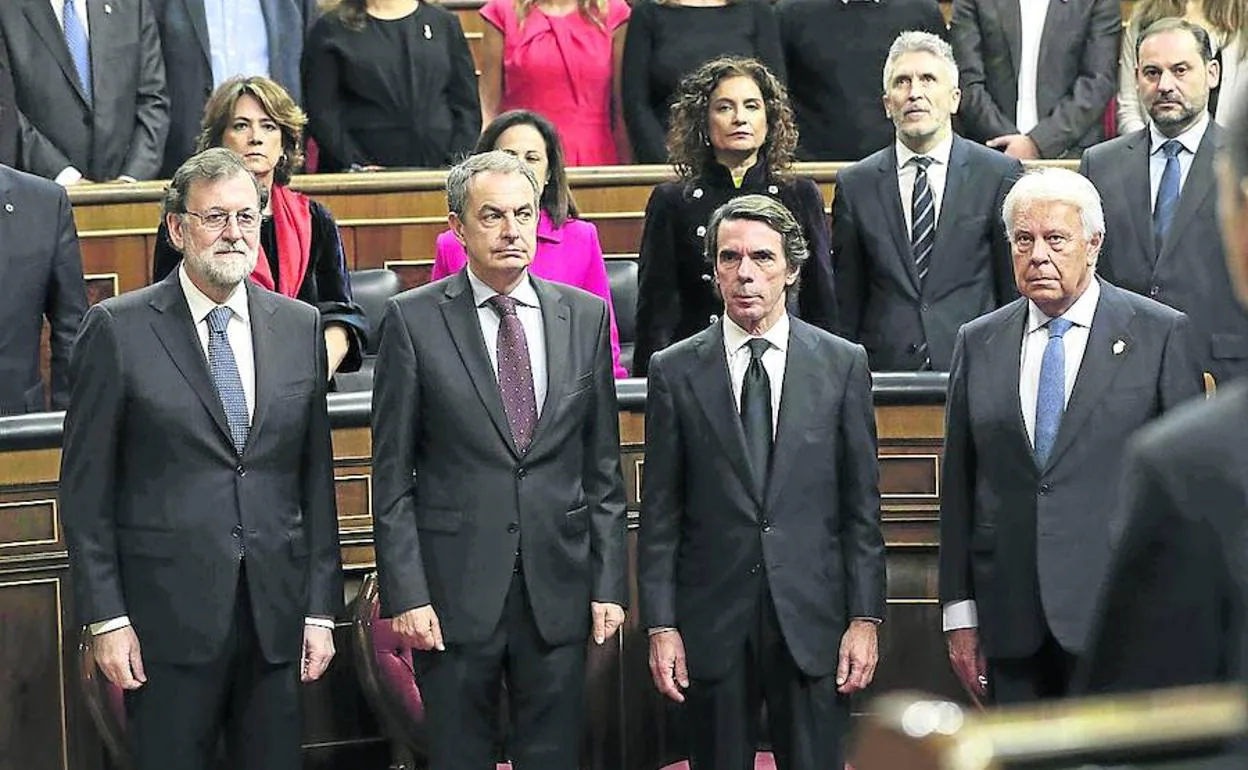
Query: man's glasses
column 216, row 221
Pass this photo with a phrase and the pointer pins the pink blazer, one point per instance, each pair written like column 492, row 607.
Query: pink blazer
column 570, row 254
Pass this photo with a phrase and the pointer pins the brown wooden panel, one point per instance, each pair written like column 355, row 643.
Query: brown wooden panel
column 353, row 492
column 412, row 273
column 26, row 523
column 619, row 235
column 125, row 256
column 908, row 476
column 32, row 677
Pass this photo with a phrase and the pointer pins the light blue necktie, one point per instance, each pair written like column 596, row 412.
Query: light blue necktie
column 1167, row 192
column 226, row 378
column 79, row 47
column 1051, row 397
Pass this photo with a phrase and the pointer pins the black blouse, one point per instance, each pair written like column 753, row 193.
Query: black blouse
column 676, row 295
column 326, row 285
column 399, row 93
column 666, row 42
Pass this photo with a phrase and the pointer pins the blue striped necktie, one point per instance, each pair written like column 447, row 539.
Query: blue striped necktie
column 1051, row 395
column 1167, row 192
column 226, row 378
column 79, row 47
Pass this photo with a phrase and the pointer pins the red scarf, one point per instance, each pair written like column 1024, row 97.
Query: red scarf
column 292, row 223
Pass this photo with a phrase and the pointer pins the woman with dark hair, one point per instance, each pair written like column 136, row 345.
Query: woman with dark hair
column 567, row 248
column 668, row 39
column 300, row 251
column 732, row 133
column 390, row 83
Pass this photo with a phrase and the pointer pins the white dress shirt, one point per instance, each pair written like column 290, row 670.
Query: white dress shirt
column 1190, row 139
column 937, row 172
column 738, row 352
column 964, row 614
column 1026, row 111
column 529, row 310
column 238, row 332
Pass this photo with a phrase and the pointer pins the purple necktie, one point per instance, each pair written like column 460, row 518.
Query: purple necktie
column 515, row 372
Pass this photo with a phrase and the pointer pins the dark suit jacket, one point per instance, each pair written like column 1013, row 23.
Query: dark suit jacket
column 1077, row 72
column 709, row 533
column 1173, row 609
column 122, row 133
column 40, row 277
column 1190, row 272
column 879, row 299
column 10, row 123
column 158, row 505
column 1031, row 544
column 676, row 294
column 454, row 500
column 184, row 41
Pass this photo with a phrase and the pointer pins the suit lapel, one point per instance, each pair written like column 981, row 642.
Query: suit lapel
column 7, row 220
column 1012, row 21
column 557, row 326
column 889, row 192
column 460, row 314
column 1197, row 188
column 1110, row 324
column 711, row 384
column 199, row 22
column 1003, row 356
column 43, row 20
column 1135, row 186
column 800, row 391
column 176, row 331
column 265, row 350
column 957, row 179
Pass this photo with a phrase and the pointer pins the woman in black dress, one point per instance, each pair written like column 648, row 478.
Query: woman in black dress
column 300, row 252
column 732, row 133
column 668, row 39
column 390, row 85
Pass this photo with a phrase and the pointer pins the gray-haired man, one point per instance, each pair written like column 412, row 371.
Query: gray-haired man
column 497, row 496
column 761, row 560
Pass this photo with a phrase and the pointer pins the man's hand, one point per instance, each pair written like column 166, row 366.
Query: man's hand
column 1016, row 146
column 608, row 618
column 860, row 652
column 968, row 662
column 667, row 664
column 318, row 651
column 420, row 628
column 117, row 655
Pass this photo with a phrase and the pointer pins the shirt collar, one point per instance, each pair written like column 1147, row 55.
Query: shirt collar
column 524, row 293
column 1080, row 313
column 735, row 337
column 201, row 304
column 1190, row 139
column 939, row 153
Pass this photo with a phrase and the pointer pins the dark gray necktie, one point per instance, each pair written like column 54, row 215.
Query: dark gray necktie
column 515, row 372
column 756, row 410
column 225, row 377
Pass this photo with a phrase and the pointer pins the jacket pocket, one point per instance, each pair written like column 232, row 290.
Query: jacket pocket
column 576, row 521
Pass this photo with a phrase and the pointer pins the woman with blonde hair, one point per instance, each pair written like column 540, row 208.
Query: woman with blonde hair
column 1223, row 19
column 560, row 59
column 301, row 253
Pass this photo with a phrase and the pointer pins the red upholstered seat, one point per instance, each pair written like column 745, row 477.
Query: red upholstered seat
column 763, row 760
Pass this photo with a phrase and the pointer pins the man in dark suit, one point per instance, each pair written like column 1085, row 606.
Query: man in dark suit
column 1036, row 76
column 1174, row 610
column 760, row 560
column 1043, row 396
column 1162, row 198
column 198, row 494
column 265, row 38
column 497, row 495
column 917, row 245
column 40, row 277
column 90, row 88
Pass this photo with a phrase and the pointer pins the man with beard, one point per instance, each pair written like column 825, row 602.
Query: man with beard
column 198, row 494
column 1161, row 197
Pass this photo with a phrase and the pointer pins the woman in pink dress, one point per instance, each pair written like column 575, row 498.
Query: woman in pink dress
column 567, row 248
column 562, row 59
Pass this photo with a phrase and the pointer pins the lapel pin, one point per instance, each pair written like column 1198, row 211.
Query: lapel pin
column 8, row 207
column 108, row 8
column 428, row 33
column 773, row 189
column 697, row 192
column 1120, row 346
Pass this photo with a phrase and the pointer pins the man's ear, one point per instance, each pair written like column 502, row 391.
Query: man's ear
column 176, row 224
column 457, row 227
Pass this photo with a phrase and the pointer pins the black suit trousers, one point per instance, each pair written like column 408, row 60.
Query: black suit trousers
column 807, row 717
column 545, row 694
column 180, row 716
column 1045, row 674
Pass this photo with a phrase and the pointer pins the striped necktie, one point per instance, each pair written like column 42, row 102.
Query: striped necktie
column 79, row 47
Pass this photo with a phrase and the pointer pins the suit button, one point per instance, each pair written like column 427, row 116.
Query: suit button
column 754, row 570
column 925, row 307
column 766, row 525
column 513, row 527
column 237, row 532
column 1045, row 489
column 701, row 231
column 240, row 470
column 1154, row 290
column 521, row 472
column 912, row 347
column 86, row 121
